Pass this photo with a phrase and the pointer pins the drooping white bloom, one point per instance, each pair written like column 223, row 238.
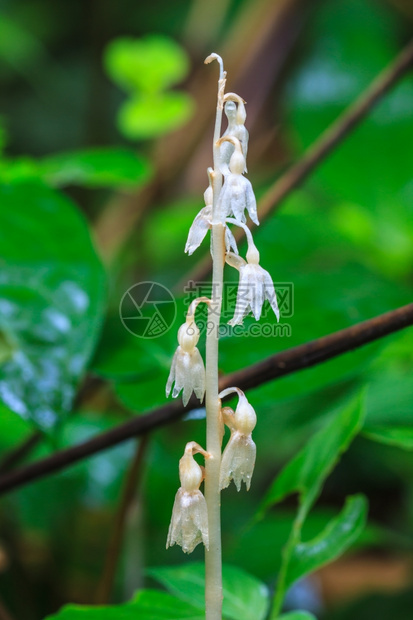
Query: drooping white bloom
column 255, row 286
column 203, row 222
column 238, row 459
column 235, row 112
column 189, row 522
column 236, row 196
column 200, row 226
column 237, row 193
column 187, row 370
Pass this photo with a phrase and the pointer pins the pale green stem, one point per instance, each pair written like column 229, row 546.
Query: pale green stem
column 213, row 559
column 292, row 541
column 213, row 556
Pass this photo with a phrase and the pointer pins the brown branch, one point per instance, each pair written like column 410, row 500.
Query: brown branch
column 20, row 452
column 284, row 363
column 321, row 148
column 129, row 491
column 321, row 350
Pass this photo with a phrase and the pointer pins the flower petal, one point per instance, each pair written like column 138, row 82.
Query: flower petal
column 198, row 375
column 242, row 304
column 232, row 197
column 171, row 377
column 188, row 373
column 255, row 289
column 270, row 294
column 230, row 242
column 238, row 461
column 189, row 522
column 251, row 203
column 198, row 230
column 235, row 260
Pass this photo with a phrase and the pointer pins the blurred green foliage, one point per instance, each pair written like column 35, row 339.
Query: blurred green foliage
column 52, row 301
column 145, row 68
column 344, row 240
column 110, row 167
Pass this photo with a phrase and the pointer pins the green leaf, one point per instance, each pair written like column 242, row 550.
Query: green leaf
column 19, row 170
column 399, row 436
column 148, row 116
column 258, row 548
column 52, row 298
column 146, row 605
column 149, row 65
column 298, row 615
column 100, row 167
column 306, row 472
column 323, row 85
column 13, row 429
column 338, row 535
column 103, row 167
column 156, row 605
column 245, row 597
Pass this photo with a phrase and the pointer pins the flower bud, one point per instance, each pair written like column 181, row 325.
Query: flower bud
column 237, row 162
column 188, row 336
column 190, row 473
column 253, row 255
column 245, row 417
column 208, row 196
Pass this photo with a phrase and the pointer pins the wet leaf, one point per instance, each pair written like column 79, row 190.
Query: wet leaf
column 52, row 294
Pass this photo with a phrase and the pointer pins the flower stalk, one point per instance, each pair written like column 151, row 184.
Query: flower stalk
column 213, row 555
column 196, row 516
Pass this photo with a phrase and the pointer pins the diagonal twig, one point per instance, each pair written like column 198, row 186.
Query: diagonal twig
column 278, row 365
column 20, row 452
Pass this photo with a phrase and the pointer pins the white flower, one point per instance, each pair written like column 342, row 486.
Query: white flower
column 238, row 459
column 200, row 226
column 237, row 193
column 255, row 286
column 189, row 522
column 203, row 222
column 236, row 196
column 236, row 116
column 187, row 370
